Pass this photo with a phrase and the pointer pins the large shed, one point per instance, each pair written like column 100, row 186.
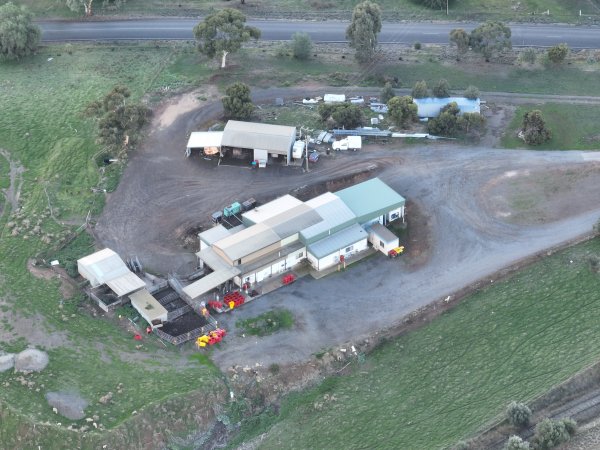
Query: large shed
column 335, row 214
column 432, row 106
column 274, row 139
column 373, row 201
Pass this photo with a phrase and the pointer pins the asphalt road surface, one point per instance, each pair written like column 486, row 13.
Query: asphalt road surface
column 529, row 35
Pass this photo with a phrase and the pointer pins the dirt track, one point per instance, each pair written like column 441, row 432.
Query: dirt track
column 162, row 195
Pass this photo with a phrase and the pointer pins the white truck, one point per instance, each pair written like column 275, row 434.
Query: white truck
column 349, row 143
column 334, row 98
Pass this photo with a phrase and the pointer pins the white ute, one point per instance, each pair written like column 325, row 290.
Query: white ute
column 350, row 143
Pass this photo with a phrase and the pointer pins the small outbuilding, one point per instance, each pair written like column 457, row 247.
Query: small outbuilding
column 149, row 308
column 207, row 141
column 382, row 238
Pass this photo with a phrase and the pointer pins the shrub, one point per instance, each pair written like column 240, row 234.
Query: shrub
column 471, row 92
column 237, row 103
column 528, row 56
column 387, row 93
column 516, row 443
column 441, row 89
column 558, row 53
column 301, row 46
column 534, row 130
column 551, row 433
column 417, row 46
column 420, row 90
column 518, row 414
column 344, row 115
column 402, row 110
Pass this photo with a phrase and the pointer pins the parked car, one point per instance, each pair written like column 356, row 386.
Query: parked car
column 313, row 157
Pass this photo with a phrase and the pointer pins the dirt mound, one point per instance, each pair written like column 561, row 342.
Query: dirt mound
column 31, row 360
column 68, row 404
column 7, row 362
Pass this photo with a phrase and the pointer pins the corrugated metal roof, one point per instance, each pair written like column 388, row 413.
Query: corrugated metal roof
column 431, row 106
column 101, row 266
column 274, row 138
column 125, row 284
column 370, row 199
column 203, row 139
column 337, row 241
column 271, row 209
column 217, row 233
column 270, row 258
column 293, row 220
column 247, row 241
column 215, row 262
column 335, row 214
column 148, row 306
column 206, row 283
column 382, row 233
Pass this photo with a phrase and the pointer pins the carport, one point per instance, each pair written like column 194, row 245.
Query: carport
column 209, row 141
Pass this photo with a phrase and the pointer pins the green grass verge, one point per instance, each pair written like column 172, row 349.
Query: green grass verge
column 42, row 127
column 510, row 341
column 267, row 323
column 574, row 127
column 527, row 10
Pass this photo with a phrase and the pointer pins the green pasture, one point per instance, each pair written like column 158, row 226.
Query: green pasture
column 573, row 127
column 512, row 340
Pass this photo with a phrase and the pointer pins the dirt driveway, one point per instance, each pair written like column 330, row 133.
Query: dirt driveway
column 163, row 195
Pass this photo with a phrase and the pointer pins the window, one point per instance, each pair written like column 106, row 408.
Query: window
column 300, row 255
column 349, row 249
column 381, row 244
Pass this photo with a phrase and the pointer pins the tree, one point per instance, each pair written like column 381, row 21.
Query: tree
column 528, row 55
column 459, row 38
column 471, row 92
column 237, row 103
column 346, row 115
column 222, row 33
column 551, row 433
column 441, row 89
column 534, row 129
column 516, row 443
column 471, row 124
column 301, row 46
column 387, row 93
column 420, row 90
column 402, row 110
column 518, row 414
column 558, row 53
column 445, row 123
column 490, row 38
column 19, row 37
column 363, row 30
column 434, row 4
column 78, row 5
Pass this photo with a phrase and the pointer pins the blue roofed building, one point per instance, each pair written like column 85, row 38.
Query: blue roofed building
column 431, row 106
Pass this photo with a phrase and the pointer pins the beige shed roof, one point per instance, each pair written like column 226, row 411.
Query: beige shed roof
column 273, row 138
column 247, row 241
column 203, row 139
column 101, row 266
column 273, row 208
column 208, row 282
column 148, row 307
column 125, row 284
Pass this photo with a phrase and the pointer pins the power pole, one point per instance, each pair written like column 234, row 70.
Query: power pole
column 447, row 7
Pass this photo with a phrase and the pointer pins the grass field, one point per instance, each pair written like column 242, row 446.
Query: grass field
column 510, row 341
column 573, row 127
column 43, row 129
column 527, row 10
column 267, row 323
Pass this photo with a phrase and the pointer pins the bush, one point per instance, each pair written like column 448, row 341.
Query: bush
column 558, row 53
column 551, row 433
column 518, row 414
column 387, row 93
column 516, row 443
column 528, row 56
column 417, row 46
column 441, row 89
column 237, row 103
column 420, row 90
column 534, row 129
column 301, row 46
column 471, row 92
column 344, row 115
column 402, row 110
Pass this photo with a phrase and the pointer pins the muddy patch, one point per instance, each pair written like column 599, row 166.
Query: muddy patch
column 15, row 175
column 307, row 192
column 183, row 104
column 67, row 287
column 533, row 197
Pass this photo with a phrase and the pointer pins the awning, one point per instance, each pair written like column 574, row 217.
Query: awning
column 125, row 284
column 207, row 283
column 148, row 307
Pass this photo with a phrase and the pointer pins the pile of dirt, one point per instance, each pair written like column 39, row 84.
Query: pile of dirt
column 68, row 404
column 31, row 360
column 7, row 362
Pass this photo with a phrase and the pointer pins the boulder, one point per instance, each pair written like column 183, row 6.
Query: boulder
column 31, row 360
column 68, row 404
column 7, row 362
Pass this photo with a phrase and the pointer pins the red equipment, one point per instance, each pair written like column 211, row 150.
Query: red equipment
column 288, row 279
column 236, row 297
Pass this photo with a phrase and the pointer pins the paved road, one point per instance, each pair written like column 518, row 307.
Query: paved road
column 407, row 33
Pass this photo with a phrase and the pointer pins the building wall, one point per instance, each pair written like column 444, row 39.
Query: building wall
column 289, row 240
column 281, row 265
column 383, row 247
column 395, row 214
column 334, row 258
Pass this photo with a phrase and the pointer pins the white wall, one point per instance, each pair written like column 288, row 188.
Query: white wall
column 289, row 240
column 382, row 246
column 334, row 258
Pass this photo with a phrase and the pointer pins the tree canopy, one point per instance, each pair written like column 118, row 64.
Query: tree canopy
column 490, row 38
column 345, row 115
column 387, row 93
column 363, row 30
column 558, row 53
column 237, row 103
column 451, row 123
column 420, row 90
column 460, row 39
column 402, row 110
column 535, row 131
column 223, row 32
column 301, row 46
column 19, row 37
column 441, row 89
